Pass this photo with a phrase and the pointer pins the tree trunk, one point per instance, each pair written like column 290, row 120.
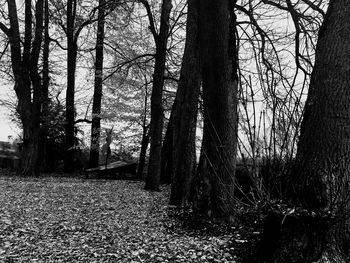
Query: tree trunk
column 45, row 92
column 142, row 159
column 71, row 67
column 25, row 70
column 30, row 150
column 185, row 113
column 96, row 106
column 37, row 87
column 166, row 169
column 216, row 172
column 321, row 178
column 156, row 132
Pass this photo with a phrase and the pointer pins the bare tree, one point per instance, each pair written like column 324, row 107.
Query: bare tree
column 216, row 171
column 24, row 60
column 185, row 112
column 317, row 229
column 156, row 129
column 96, row 106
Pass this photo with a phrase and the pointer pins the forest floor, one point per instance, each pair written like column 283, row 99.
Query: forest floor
column 58, row 219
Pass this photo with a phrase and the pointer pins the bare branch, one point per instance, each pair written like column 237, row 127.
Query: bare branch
column 4, row 29
column 315, row 7
column 150, row 18
column 82, row 120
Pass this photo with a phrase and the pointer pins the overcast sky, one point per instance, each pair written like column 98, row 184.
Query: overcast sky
column 6, row 127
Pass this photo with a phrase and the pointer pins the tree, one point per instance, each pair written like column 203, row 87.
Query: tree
column 184, row 121
column 216, row 172
column 145, row 135
column 72, row 50
column 167, row 162
column 318, row 230
column 45, row 90
column 73, row 27
column 156, row 129
column 24, row 61
column 96, row 106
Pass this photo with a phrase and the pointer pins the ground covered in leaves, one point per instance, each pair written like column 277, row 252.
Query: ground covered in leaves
column 57, row 219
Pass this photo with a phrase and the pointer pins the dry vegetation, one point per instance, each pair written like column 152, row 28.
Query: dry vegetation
column 57, row 219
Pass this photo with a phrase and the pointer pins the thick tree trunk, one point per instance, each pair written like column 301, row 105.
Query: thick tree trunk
column 96, row 106
column 156, row 132
column 25, row 70
column 70, row 93
column 321, row 179
column 323, row 159
column 30, row 149
column 29, row 165
column 185, row 113
column 215, row 192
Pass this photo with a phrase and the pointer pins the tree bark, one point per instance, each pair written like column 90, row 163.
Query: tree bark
column 143, row 151
column 320, row 182
column 324, row 141
column 96, row 106
column 156, row 132
column 26, row 76
column 37, row 85
column 185, row 113
column 71, row 67
column 216, row 173
column 45, row 92
column 166, row 169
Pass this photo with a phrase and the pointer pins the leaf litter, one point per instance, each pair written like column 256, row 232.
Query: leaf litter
column 58, row 219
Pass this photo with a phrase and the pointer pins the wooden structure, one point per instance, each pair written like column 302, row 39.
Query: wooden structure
column 9, row 156
column 115, row 170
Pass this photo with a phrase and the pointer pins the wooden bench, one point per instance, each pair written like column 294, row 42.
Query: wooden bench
column 115, row 170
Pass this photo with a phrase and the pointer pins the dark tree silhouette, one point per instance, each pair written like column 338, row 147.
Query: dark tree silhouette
column 72, row 50
column 45, row 92
column 96, row 106
column 156, row 129
column 214, row 195
column 24, row 61
column 318, row 230
column 184, row 120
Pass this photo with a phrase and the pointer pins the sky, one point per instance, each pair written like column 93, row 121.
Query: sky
column 6, row 130
column 6, row 127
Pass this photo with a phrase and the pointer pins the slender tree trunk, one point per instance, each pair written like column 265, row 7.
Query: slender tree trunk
column 45, row 91
column 96, row 106
column 215, row 192
column 37, row 85
column 320, row 230
column 71, row 67
column 166, row 169
column 156, row 132
column 142, row 158
column 145, row 137
column 185, row 113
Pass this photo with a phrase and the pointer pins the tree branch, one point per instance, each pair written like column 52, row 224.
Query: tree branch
column 82, row 120
column 150, row 18
column 315, row 7
column 120, row 65
column 4, row 29
column 3, row 52
column 58, row 43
